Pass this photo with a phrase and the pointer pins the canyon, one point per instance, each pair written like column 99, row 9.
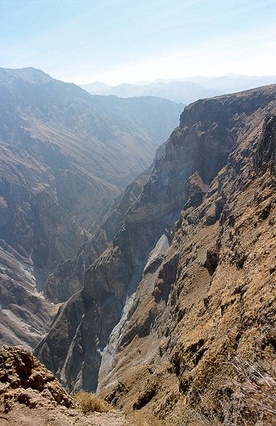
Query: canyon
column 64, row 156
column 162, row 295
column 184, row 293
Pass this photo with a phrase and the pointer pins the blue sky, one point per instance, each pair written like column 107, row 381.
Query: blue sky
column 116, row 41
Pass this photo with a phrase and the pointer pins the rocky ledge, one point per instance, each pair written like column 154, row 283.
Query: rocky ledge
column 25, row 380
column 31, row 395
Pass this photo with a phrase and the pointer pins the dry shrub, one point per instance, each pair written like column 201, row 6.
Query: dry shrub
column 90, row 402
column 247, row 399
column 252, row 399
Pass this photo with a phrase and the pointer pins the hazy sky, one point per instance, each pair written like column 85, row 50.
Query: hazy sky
column 115, row 41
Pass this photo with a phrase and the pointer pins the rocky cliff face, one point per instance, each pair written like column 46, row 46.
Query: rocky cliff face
column 64, row 155
column 69, row 277
column 184, row 289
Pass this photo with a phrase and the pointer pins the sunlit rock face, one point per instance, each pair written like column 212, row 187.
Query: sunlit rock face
column 25, row 380
column 186, row 284
column 64, row 155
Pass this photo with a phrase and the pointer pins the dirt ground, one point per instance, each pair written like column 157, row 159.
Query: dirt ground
column 20, row 415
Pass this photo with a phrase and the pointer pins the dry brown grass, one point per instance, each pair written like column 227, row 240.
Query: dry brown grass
column 253, row 400
column 90, row 402
column 139, row 418
column 247, row 399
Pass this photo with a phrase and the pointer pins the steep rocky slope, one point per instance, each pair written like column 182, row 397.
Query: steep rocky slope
column 36, row 234
column 69, row 276
column 202, row 331
column 64, row 154
column 170, row 311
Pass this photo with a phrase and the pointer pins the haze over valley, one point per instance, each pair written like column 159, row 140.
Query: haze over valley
column 65, row 156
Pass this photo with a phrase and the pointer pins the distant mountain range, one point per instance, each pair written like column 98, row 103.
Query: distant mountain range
column 184, row 90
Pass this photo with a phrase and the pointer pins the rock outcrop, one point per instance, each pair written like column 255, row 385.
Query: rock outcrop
column 31, row 395
column 24, row 379
column 183, row 295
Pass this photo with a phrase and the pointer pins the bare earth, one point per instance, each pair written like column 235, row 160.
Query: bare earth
column 56, row 416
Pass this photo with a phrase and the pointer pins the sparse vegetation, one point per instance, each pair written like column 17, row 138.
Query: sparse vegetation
column 139, row 418
column 253, row 400
column 90, row 402
column 247, row 399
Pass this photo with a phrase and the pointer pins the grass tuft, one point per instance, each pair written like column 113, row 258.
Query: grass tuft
column 90, row 402
column 253, row 398
column 248, row 398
